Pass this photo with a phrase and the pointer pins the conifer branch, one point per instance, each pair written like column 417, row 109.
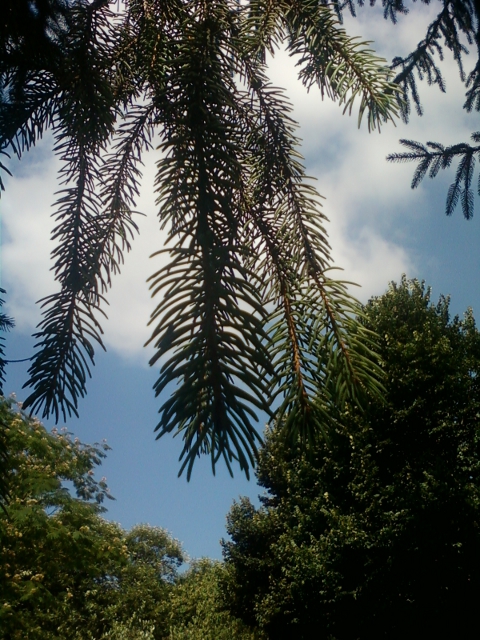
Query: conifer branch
column 248, row 312
column 6, row 324
column 455, row 19
column 433, row 157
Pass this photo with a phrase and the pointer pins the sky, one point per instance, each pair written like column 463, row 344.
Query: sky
column 378, row 227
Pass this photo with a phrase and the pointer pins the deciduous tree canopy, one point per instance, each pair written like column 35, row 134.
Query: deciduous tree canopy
column 54, row 545
column 66, row 573
column 376, row 533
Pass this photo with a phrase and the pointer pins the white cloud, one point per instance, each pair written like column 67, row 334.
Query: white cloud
column 25, row 209
column 366, row 196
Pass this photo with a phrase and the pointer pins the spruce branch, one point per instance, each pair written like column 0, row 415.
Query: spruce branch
column 23, row 122
column 433, row 157
column 210, row 317
column 344, row 68
column 249, row 314
column 290, row 237
column 85, row 114
column 456, row 19
column 6, row 324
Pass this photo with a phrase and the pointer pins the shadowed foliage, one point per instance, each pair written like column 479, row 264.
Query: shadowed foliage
column 375, row 534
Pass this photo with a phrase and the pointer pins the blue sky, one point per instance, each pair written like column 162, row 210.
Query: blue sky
column 379, row 228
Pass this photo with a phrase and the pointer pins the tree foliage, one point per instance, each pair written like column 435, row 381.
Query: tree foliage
column 197, row 607
column 455, row 28
column 250, row 317
column 65, row 572
column 376, row 533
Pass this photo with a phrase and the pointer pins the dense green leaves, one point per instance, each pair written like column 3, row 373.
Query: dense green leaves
column 247, row 304
column 66, row 573
column 51, row 542
column 375, row 534
column 198, row 609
